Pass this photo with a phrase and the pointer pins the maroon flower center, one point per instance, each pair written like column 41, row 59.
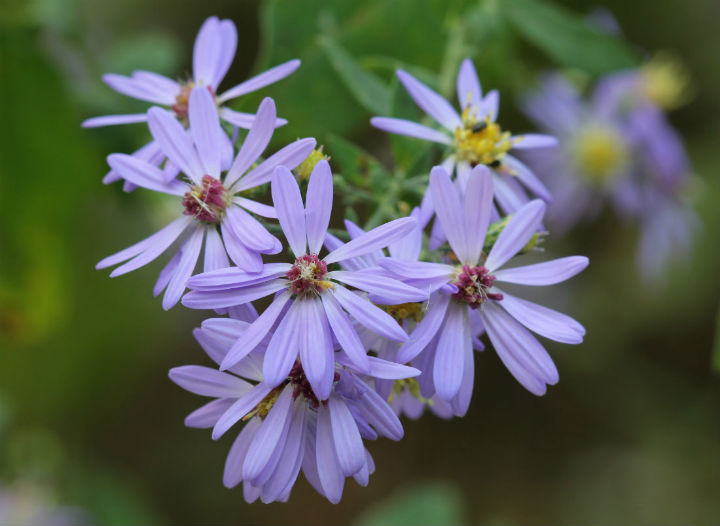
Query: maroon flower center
column 182, row 100
column 301, row 385
column 473, row 284
column 206, row 202
column 308, row 274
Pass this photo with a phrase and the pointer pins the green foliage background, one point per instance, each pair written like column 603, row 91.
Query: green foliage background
column 629, row 435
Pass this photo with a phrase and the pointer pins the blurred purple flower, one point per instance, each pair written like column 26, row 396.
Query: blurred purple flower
column 287, row 427
column 210, row 200
column 312, row 302
column 213, row 53
column 464, row 293
column 473, row 137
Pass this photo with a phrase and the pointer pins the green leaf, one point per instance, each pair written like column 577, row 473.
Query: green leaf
column 369, row 90
column 716, row 346
column 567, row 38
column 426, row 503
column 357, row 165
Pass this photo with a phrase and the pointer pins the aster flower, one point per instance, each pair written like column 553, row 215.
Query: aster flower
column 213, row 53
column 211, row 199
column 473, row 137
column 468, row 289
column 311, row 304
column 287, row 428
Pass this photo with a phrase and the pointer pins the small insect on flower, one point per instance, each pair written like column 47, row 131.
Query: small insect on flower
column 473, row 137
column 213, row 53
column 213, row 207
column 287, row 428
column 312, row 304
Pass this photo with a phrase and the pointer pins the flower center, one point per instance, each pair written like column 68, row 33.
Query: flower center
column 307, row 275
column 473, row 284
column 182, row 100
column 207, row 202
column 480, row 141
column 301, row 387
column 599, row 153
column 402, row 311
column 665, row 81
column 410, row 385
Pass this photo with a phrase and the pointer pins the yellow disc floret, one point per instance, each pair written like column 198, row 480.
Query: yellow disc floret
column 665, row 81
column 599, row 153
column 480, row 141
column 305, row 168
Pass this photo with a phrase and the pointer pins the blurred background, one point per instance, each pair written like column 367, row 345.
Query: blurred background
column 91, row 429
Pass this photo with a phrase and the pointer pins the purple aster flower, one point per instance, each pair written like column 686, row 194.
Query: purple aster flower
column 467, row 289
column 311, row 304
column 213, row 53
column 287, row 427
column 473, row 137
column 211, row 199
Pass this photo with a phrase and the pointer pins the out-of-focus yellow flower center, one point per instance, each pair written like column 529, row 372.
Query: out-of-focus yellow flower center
column 305, row 168
column 402, row 311
column 480, row 141
column 665, row 81
column 599, row 153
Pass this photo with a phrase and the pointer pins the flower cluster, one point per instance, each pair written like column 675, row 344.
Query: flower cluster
column 358, row 328
column 618, row 147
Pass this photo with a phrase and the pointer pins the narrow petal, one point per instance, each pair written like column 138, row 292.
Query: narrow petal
column 489, row 106
column 527, row 178
column 543, row 321
column 469, row 91
column 112, row 120
column 244, row 120
column 318, row 205
column 232, row 474
column 511, row 338
column 477, row 207
column 256, row 141
column 215, row 255
column 377, row 238
column 432, row 103
column 175, row 143
column 328, row 466
column 260, row 81
column 380, row 415
column 282, row 351
column 239, row 409
column 289, row 156
column 516, row 234
column 348, row 444
column 409, row 247
column 252, row 233
column 245, row 258
column 186, row 266
column 461, row 402
column 137, row 89
column 233, row 277
column 205, row 381
column 205, row 417
column 205, row 129
column 367, row 314
column 166, row 274
column 345, row 333
column 510, row 197
column 255, row 207
column 546, row 273
column 157, row 243
column 449, row 359
column 289, row 207
column 396, row 291
column 316, row 352
column 220, row 300
column 207, row 51
column 142, row 173
column 449, row 211
column 228, row 33
column 255, row 333
column 426, row 330
column 417, row 270
column 268, row 436
column 533, row 140
column 409, row 128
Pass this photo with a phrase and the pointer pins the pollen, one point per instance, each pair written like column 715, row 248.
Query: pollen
column 266, row 404
column 206, row 202
column 305, row 168
column 599, row 153
column 473, row 284
column 480, row 141
column 307, row 275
